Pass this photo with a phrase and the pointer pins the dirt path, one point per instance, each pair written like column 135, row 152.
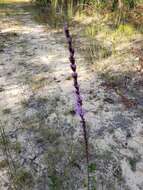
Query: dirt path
column 35, row 93
column 37, row 113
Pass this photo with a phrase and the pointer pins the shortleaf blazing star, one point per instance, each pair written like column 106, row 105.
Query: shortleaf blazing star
column 79, row 107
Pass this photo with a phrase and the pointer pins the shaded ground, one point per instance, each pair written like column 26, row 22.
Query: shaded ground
column 42, row 145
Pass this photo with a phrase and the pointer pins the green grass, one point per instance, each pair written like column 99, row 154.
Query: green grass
column 133, row 162
column 6, row 111
column 4, row 141
column 92, row 167
column 3, row 164
column 91, row 30
column 23, row 178
column 124, row 30
column 16, row 147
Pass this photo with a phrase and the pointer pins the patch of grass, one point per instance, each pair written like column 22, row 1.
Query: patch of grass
column 72, row 112
column 25, row 103
column 36, row 85
column 92, row 167
column 140, row 28
column 16, row 147
column 124, row 30
column 127, row 29
column 42, row 100
column 133, row 162
column 4, row 141
column 3, row 164
column 111, row 78
column 23, row 178
column 53, row 157
column 93, row 183
column 95, row 51
column 1, row 88
column 6, row 111
column 91, row 30
column 50, row 135
column 56, row 182
column 105, row 155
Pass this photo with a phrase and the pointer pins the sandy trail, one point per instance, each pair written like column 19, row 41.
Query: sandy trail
column 35, row 86
column 37, row 113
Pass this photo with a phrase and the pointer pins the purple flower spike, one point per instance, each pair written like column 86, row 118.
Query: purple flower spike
column 79, row 109
column 73, row 66
column 74, row 75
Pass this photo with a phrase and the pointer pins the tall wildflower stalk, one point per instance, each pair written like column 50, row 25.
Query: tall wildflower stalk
column 80, row 111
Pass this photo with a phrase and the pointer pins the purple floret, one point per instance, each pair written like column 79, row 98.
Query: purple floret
column 79, row 109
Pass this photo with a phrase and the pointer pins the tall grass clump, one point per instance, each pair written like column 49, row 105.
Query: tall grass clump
column 119, row 9
column 113, row 4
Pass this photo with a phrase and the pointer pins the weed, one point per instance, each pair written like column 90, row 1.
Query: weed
column 91, row 30
column 22, row 178
column 16, row 147
column 3, row 164
column 53, row 156
column 42, row 100
column 4, row 141
column 92, row 167
column 95, row 52
column 133, row 162
column 56, row 182
column 50, row 135
column 93, row 183
column 1, row 88
column 6, row 111
column 25, row 103
column 126, row 29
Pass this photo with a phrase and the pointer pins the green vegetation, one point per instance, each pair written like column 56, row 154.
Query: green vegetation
column 119, row 11
column 16, row 147
column 133, row 162
column 4, row 141
column 23, row 178
column 92, row 167
column 3, row 164
column 6, row 111
column 113, row 3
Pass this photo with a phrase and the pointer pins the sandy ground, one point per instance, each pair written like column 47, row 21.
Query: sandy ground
column 45, row 145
